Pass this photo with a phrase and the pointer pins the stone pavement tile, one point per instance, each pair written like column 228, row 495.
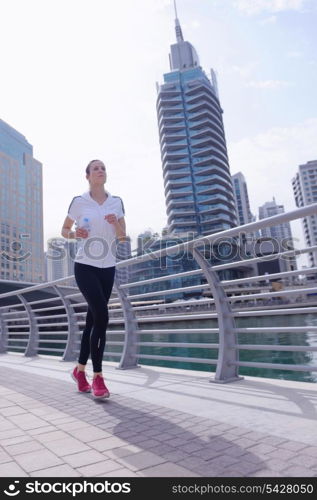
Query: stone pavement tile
column 108, row 443
column 72, row 425
column 168, row 469
column 190, row 447
column 239, row 431
column 175, row 456
column 139, row 461
column 64, row 420
column 120, row 473
column 192, row 463
column 6, row 404
column 124, row 451
column 261, row 449
column 89, row 433
column 41, row 430
column 304, row 460
column 235, row 451
column 26, row 447
column 4, row 457
column 11, row 469
column 84, row 458
column 37, row 460
column 16, row 440
column 282, row 454
column 41, row 410
column 6, row 434
column 255, row 436
column 267, row 473
column 293, row 446
column 207, row 453
column 225, row 461
column 276, row 465
column 59, row 471
column 160, row 449
column 246, row 469
column 6, row 425
column 12, row 410
column 28, row 421
column 311, row 450
column 66, row 446
column 177, row 441
column 298, row 471
column 99, row 468
column 244, row 442
column 149, row 443
column 273, row 440
column 46, row 437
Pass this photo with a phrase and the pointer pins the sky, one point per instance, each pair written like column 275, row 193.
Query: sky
column 78, row 79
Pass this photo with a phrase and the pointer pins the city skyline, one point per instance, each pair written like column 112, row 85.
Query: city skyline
column 89, row 91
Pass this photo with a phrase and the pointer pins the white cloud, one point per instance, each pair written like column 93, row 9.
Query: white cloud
column 270, row 160
column 269, row 20
column 268, row 84
column 196, row 24
column 252, row 7
column 294, row 54
column 245, row 70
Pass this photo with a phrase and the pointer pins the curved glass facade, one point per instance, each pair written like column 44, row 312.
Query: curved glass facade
column 198, row 188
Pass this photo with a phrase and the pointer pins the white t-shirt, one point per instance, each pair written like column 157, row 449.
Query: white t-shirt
column 99, row 249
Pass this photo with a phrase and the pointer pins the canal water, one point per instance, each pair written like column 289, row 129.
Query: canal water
column 308, row 338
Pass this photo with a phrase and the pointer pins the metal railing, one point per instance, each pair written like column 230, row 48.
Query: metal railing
column 47, row 318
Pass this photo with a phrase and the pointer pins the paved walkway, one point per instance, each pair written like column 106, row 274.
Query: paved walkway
column 158, row 422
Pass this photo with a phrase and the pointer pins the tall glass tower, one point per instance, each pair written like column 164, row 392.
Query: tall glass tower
column 21, row 209
column 198, row 188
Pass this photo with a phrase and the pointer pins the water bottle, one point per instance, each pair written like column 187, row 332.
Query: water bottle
column 86, row 225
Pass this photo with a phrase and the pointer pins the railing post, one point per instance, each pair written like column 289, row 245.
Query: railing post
column 227, row 353
column 73, row 329
column 33, row 343
column 128, row 358
column 3, row 334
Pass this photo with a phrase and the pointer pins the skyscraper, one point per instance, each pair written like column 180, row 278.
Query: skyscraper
column 21, row 209
column 242, row 199
column 198, row 188
column 305, row 192
column 281, row 232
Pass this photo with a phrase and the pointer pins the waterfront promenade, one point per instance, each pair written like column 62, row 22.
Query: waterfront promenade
column 158, row 422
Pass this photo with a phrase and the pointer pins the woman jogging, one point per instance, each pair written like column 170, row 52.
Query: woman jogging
column 100, row 222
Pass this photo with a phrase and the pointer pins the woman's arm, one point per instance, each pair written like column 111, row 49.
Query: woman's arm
column 66, row 229
column 120, row 228
column 69, row 234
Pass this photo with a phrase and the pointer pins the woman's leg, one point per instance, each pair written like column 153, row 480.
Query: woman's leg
column 85, row 341
column 106, row 279
column 89, row 282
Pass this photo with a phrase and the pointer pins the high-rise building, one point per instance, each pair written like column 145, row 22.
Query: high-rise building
column 56, row 259
column 123, row 253
column 198, row 188
column 281, row 232
column 241, row 196
column 21, row 209
column 60, row 257
column 305, row 192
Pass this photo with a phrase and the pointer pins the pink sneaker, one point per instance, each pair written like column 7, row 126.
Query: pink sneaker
column 99, row 390
column 80, row 378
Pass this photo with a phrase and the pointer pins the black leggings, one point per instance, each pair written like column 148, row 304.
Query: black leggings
column 96, row 285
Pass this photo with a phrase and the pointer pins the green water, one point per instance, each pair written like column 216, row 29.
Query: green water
column 283, row 357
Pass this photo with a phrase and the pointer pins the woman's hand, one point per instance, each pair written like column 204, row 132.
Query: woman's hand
column 81, row 233
column 111, row 218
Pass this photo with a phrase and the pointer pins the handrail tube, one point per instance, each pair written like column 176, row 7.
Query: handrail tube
column 275, row 347
column 276, row 366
